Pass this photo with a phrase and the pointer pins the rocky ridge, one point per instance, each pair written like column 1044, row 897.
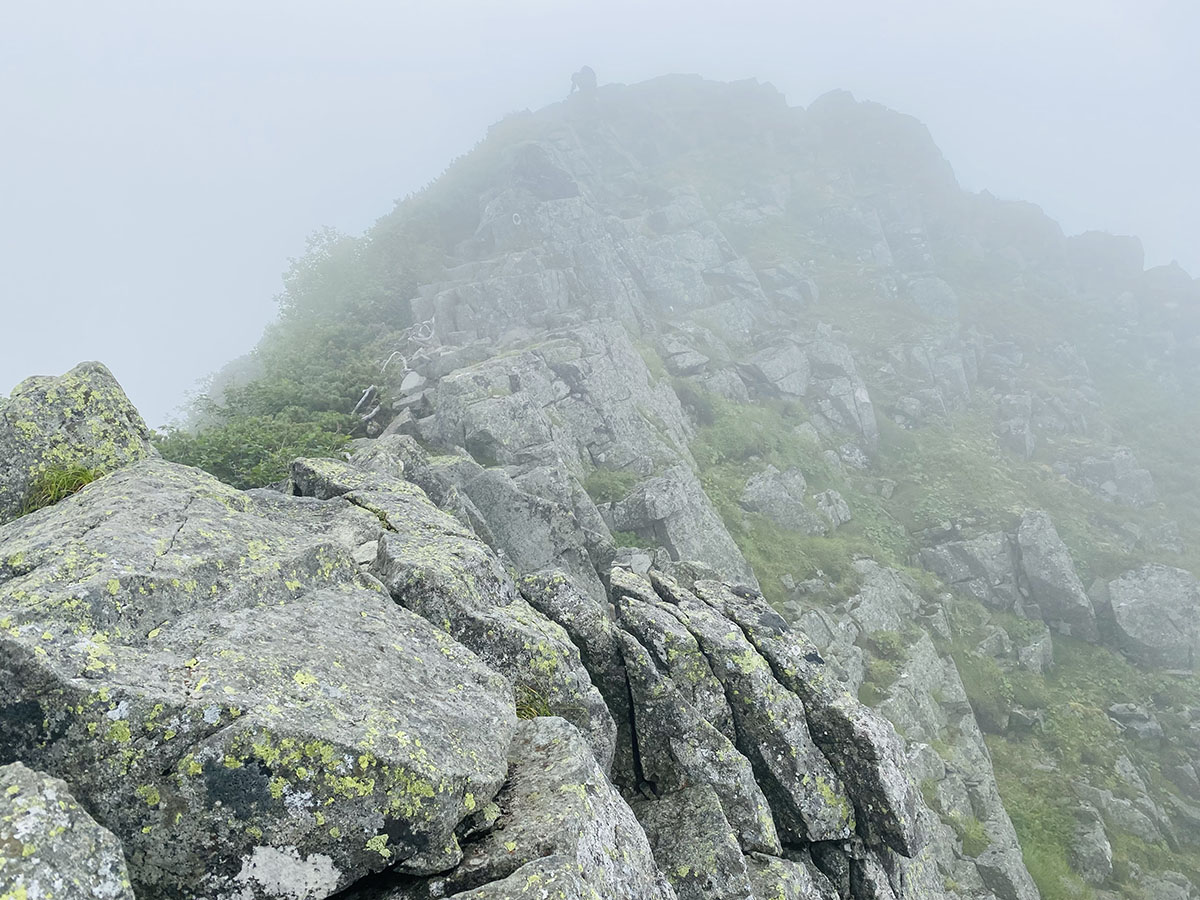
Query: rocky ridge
column 646, row 391
column 282, row 693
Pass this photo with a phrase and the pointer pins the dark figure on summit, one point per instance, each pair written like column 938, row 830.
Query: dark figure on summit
column 584, row 81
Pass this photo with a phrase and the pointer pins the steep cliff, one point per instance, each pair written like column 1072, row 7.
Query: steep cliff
column 741, row 509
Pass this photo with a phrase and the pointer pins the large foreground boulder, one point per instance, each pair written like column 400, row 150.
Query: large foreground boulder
column 50, row 847
column 231, row 696
column 80, row 420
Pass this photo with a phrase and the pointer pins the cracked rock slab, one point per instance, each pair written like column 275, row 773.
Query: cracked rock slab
column 432, row 565
column 222, row 687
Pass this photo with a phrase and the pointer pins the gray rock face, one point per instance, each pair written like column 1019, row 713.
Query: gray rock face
column 676, row 748
column 1119, row 478
column 933, row 297
column 694, row 845
column 675, row 511
column 1155, row 612
column 997, row 866
column 1053, row 583
column 82, row 418
column 807, row 797
column 1029, row 572
column 582, row 399
column 227, row 692
column 780, row 496
column 431, row 565
column 822, row 370
column 1091, row 853
column 785, row 879
column 50, row 846
column 556, row 804
column 863, row 748
column 984, row 567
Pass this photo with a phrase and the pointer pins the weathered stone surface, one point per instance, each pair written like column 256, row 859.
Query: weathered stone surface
column 433, row 566
column 580, row 399
column 780, row 496
column 984, row 567
column 1054, row 584
column 673, row 509
column 557, row 803
column 674, row 649
column 807, row 797
column 864, row 749
column 50, row 846
column 997, row 867
column 1155, row 612
column 694, row 846
column 785, row 879
column 677, row 748
column 220, row 684
column 833, row 509
column 1119, row 478
column 82, row 418
column 1091, row 853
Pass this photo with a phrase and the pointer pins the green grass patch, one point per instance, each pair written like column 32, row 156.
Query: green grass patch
column 610, row 485
column 57, row 483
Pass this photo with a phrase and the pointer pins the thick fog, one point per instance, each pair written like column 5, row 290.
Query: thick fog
column 161, row 161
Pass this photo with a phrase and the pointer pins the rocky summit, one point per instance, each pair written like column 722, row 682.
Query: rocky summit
column 688, row 495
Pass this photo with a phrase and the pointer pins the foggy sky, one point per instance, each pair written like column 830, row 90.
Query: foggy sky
column 159, row 162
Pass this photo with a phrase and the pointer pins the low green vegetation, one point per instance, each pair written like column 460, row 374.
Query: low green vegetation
column 56, row 483
column 531, row 703
column 610, row 485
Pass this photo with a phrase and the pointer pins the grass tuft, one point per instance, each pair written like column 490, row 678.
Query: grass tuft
column 55, row 484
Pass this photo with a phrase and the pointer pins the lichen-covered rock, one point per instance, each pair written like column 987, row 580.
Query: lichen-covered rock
column 80, row 419
column 807, row 797
column 556, row 803
column 589, row 625
column 675, row 650
column 694, row 846
column 50, row 846
column 677, row 748
column 786, row 879
column 229, row 694
column 433, row 566
column 863, row 748
column 1155, row 612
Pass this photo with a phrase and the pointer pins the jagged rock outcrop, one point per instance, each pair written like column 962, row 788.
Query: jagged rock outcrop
column 50, row 846
column 81, row 419
column 928, row 704
column 431, row 565
column 1028, row 571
